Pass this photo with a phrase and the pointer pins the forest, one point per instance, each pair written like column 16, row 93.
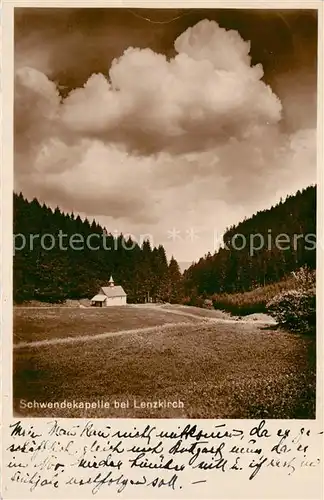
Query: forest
column 56, row 274
column 77, row 271
column 285, row 238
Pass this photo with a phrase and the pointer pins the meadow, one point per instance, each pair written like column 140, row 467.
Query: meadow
column 218, row 367
column 253, row 301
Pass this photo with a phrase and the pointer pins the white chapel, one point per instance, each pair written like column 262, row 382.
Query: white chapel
column 112, row 295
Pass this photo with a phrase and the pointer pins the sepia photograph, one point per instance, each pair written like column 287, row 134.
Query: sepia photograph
column 164, row 213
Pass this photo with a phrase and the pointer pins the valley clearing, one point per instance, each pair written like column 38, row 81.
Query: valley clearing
column 198, row 363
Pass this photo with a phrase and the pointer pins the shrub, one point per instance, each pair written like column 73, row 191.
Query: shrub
column 296, row 309
column 305, row 278
column 193, row 300
column 208, row 304
column 198, row 302
column 185, row 301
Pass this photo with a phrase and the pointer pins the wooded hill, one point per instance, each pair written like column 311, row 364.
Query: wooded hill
column 144, row 272
column 53, row 275
column 232, row 270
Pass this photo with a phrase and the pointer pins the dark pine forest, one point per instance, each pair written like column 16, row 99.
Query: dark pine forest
column 235, row 268
column 64, row 272
column 146, row 274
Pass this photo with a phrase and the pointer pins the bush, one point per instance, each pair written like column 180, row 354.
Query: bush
column 296, row 309
column 305, row 279
column 193, row 300
column 208, row 304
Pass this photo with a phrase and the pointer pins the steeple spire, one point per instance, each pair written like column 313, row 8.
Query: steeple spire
column 111, row 281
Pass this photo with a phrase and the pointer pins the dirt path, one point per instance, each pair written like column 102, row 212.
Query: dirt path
column 150, row 329
column 99, row 336
column 255, row 318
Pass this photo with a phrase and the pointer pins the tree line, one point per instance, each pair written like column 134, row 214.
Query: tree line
column 144, row 272
column 54, row 273
column 288, row 232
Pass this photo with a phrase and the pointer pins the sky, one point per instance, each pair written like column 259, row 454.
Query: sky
column 168, row 124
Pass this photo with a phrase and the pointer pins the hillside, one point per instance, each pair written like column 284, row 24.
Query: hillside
column 52, row 270
column 260, row 250
column 59, row 256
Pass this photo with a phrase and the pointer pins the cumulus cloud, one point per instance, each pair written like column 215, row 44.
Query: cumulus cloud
column 36, row 106
column 160, row 142
column 208, row 92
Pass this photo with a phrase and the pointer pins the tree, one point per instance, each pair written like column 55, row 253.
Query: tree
column 175, row 289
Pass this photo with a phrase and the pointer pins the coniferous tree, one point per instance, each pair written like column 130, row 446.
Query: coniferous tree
column 175, row 291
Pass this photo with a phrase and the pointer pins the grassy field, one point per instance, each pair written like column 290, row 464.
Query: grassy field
column 254, row 301
column 55, row 322
column 217, row 368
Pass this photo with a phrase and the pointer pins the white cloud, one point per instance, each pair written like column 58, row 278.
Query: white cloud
column 194, row 141
column 207, row 92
